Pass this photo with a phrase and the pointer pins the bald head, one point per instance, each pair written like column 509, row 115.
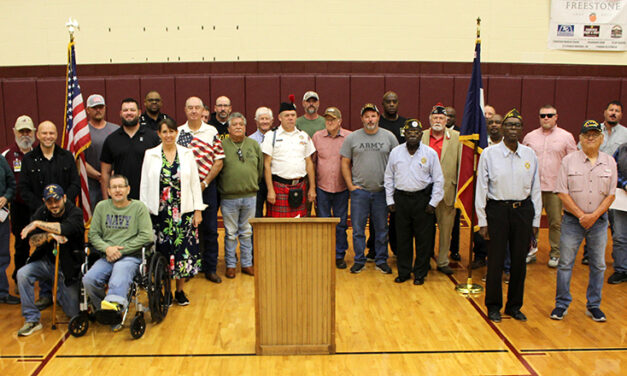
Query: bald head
column 223, row 108
column 390, row 105
column 47, row 135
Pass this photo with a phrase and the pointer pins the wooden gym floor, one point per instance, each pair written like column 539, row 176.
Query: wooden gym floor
column 382, row 328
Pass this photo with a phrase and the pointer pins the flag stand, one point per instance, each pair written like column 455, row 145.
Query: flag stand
column 469, row 288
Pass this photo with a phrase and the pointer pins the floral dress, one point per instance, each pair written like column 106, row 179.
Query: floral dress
column 175, row 233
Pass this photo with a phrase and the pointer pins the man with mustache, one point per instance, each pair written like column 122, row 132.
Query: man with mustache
column 614, row 133
column 123, row 151
column 508, row 203
column 24, row 132
column 153, row 115
column 99, row 130
column 310, row 122
column 446, row 143
column 220, row 117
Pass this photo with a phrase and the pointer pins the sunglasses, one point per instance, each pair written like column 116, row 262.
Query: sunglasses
column 240, row 155
column 547, row 115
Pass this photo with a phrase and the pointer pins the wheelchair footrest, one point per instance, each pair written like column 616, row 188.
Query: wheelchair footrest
column 108, row 317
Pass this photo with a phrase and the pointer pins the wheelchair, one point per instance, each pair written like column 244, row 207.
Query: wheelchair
column 153, row 276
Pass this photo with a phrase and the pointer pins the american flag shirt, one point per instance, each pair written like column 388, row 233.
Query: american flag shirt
column 205, row 144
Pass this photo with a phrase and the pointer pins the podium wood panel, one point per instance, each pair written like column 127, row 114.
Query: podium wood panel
column 294, row 285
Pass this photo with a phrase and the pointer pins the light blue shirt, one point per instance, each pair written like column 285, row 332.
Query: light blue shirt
column 611, row 142
column 257, row 136
column 506, row 175
column 413, row 173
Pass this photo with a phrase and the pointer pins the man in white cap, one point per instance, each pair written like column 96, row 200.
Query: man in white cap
column 99, row 130
column 310, row 122
column 24, row 131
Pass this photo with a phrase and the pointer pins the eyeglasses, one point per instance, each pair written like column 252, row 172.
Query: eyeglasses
column 118, row 186
column 493, row 122
column 591, row 134
column 240, row 155
column 547, row 115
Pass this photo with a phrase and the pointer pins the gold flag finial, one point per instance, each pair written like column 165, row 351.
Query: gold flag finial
column 478, row 28
column 72, row 26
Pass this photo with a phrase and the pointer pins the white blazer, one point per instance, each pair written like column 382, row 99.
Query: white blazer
column 191, row 195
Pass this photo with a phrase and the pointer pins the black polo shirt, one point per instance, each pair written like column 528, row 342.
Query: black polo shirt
column 147, row 121
column 395, row 127
column 223, row 129
column 126, row 154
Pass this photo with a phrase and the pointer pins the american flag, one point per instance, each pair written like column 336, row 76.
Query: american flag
column 205, row 153
column 76, row 136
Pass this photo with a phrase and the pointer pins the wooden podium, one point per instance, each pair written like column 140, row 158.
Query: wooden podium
column 294, row 285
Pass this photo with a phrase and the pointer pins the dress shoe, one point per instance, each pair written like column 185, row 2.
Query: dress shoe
column 248, row 270
column 445, row 269
column 43, row 302
column 400, row 279
column 516, row 315
column 213, row 277
column 230, row 273
column 419, row 281
column 456, row 256
column 476, row 264
column 494, row 316
column 340, row 264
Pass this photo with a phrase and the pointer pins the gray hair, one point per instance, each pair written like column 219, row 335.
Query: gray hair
column 263, row 111
column 237, row 115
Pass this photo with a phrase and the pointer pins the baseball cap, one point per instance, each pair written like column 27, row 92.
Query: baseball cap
column 369, row 107
column 53, row 191
column 412, row 124
column 310, row 94
column 24, row 122
column 95, row 100
column 333, row 112
column 590, row 125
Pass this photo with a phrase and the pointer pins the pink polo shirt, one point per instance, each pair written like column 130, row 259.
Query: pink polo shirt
column 588, row 185
column 550, row 148
column 328, row 160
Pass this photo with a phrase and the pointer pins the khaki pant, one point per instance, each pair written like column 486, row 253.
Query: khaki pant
column 553, row 207
column 445, row 216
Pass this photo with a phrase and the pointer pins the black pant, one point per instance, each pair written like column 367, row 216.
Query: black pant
column 20, row 218
column 412, row 223
column 507, row 223
column 208, row 230
column 455, row 234
column 262, row 195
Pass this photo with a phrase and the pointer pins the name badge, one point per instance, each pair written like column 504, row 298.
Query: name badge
column 17, row 165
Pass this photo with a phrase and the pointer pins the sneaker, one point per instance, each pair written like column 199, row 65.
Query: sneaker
column 340, row 263
column 384, row 268
column 180, row 298
column 484, row 278
column 357, row 268
column 584, row 260
column 553, row 261
column 43, row 302
column 531, row 259
column 117, row 327
column 596, row 314
column 10, row 299
column 506, row 278
column 617, row 278
column 29, row 328
column 558, row 313
column 370, row 256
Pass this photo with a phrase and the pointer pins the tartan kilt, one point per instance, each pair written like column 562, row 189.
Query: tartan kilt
column 281, row 209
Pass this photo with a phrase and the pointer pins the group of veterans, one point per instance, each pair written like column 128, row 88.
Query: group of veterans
column 153, row 180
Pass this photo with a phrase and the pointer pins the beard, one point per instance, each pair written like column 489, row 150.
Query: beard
column 438, row 127
column 130, row 123
column 311, row 110
column 24, row 142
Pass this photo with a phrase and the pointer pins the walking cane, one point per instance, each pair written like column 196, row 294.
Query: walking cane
column 54, row 287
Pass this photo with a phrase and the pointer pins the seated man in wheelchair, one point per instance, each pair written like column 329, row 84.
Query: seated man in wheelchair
column 58, row 220
column 119, row 228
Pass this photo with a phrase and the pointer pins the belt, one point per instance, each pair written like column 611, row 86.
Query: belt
column 410, row 194
column 511, row 203
column 287, row 181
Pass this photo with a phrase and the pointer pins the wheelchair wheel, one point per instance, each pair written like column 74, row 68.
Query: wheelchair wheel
column 159, row 295
column 78, row 325
column 138, row 326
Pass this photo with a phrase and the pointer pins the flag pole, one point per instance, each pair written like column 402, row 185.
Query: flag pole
column 469, row 288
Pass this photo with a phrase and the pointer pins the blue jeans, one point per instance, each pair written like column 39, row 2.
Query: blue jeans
column 570, row 239
column 335, row 205
column 363, row 204
column 235, row 214
column 619, row 250
column 118, row 275
column 5, row 257
column 43, row 270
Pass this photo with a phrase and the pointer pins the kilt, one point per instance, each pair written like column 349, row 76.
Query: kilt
column 281, row 208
